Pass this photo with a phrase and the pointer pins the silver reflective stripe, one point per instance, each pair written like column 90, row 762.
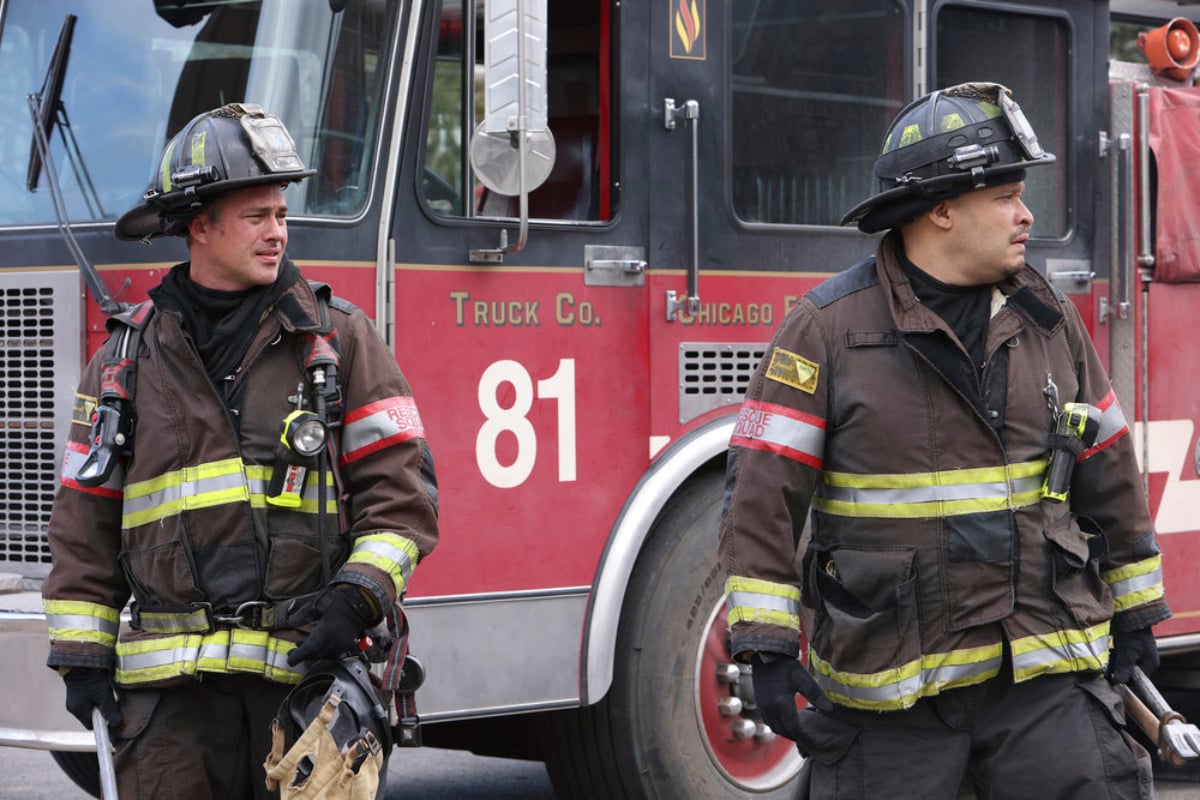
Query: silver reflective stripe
column 768, row 602
column 1138, row 582
column 1112, row 422
column 159, row 659
column 779, row 426
column 1087, row 652
column 927, row 494
column 261, row 486
column 62, row 623
column 904, row 692
column 175, row 496
column 173, row 622
column 372, row 545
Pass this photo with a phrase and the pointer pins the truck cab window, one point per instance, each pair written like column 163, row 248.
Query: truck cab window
column 578, row 40
column 812, row 84
column 1028, row 54
column 131, row 80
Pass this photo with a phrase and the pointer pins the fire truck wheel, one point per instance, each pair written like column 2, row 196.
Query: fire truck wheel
column 82, row 768
column 678, row 720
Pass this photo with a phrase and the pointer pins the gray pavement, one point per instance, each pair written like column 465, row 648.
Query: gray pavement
column 424, row 773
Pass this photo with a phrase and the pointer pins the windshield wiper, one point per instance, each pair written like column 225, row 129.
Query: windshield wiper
column 44, row 107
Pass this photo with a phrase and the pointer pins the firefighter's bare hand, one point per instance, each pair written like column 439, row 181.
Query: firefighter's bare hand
column 1130, row 649
column 88, row 689
column 342, row 613
column 777, row 680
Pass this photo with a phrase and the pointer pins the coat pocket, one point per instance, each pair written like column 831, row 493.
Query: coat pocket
column 294, row 566
column 161, row 575
column 1076, row 575
column 977, row 569
column 867, row 616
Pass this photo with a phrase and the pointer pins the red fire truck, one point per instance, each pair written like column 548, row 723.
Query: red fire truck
column 578, row 224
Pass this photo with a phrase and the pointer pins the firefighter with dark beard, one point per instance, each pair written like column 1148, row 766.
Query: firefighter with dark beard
column 246, row 463
column 976, row 564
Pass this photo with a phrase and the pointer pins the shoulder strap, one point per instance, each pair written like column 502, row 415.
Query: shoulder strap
column 111, row 438
column 118, row 364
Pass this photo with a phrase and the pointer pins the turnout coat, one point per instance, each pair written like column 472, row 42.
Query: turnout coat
column 932, row 548
column 185, row 526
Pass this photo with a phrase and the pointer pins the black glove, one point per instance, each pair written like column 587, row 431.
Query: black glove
column 777, row 679
column 343, row 613
column 88, row 689
column 1130, row 649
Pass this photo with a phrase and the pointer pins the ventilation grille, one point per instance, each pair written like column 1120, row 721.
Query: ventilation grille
column 714, row 375
column 38, row 319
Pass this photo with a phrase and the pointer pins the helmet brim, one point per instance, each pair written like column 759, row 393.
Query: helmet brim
column 146, row 220
column 894, row 206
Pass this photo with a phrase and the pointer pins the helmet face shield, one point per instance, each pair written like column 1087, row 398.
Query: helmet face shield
column 1021, row 128
column 948, row 142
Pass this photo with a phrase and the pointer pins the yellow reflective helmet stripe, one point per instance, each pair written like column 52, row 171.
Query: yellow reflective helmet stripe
column 80, row 621
column 756, row 600
column 910, row 135
column 225, row 651
column 390, row 552
column 165, row 166
column 199, row 158
column 1135, row 584
column 951, row 121
column 931, row 494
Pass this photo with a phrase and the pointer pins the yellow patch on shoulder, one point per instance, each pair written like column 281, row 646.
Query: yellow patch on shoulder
column 82, row 410
column 793, row 370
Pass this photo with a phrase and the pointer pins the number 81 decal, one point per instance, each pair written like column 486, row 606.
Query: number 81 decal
column 515, row 420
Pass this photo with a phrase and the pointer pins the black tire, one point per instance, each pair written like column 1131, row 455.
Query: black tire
column 651, row 728
column 82, row 768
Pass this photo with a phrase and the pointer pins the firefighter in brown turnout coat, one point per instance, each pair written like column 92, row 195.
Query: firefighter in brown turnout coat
column 981, row 550
column 246, row 462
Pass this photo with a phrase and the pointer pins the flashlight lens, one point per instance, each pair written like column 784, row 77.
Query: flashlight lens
column 309, row 437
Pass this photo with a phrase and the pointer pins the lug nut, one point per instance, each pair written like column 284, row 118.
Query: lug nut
column 728, row 673
column 744, row 728
column 729, row 706
column 764, row 734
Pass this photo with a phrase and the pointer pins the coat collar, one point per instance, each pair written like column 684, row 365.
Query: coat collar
column 1031, row 298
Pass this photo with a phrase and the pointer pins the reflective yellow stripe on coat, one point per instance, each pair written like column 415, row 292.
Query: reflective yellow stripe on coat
column 213, row 484
column 1135, row 584
column 931, row 494
column 902, row 686
column 390, row 552
column 230, row 650
column 80, row 621
column 755, row 600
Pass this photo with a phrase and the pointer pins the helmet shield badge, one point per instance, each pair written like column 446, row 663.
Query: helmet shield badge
column 943, row 144
column 231, row 147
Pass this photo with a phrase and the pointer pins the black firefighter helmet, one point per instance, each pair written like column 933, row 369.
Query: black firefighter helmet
column 336, row 732
column 946, row 143
column 231, row 147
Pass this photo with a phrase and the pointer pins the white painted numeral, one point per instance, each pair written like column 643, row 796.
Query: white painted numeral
column 515, row 420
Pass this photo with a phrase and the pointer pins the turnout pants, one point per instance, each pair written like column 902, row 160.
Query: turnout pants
column 1055, row 737
column 204, row 739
